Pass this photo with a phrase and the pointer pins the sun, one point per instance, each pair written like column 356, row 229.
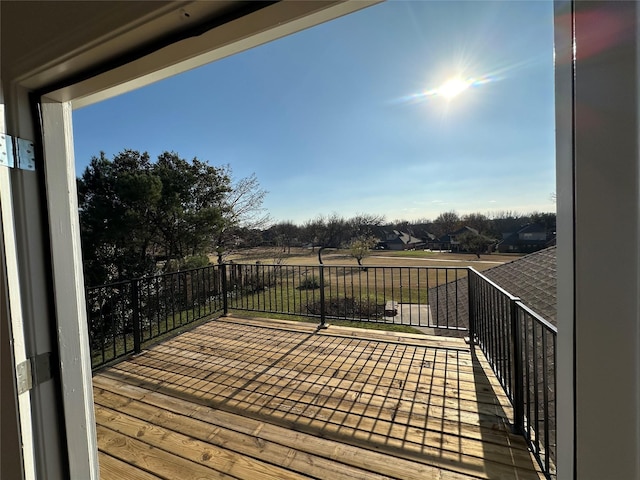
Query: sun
column 450, row 89
column 453, row 87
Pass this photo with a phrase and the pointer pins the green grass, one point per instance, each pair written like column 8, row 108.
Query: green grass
column 376, row 285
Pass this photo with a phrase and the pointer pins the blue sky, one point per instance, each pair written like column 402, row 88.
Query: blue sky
column 348, row 117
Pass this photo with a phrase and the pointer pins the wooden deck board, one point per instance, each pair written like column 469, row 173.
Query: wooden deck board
column 111, row 467
column 249, row 399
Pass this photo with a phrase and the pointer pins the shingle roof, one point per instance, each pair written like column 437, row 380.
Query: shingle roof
column 532, row 278
column 460, row 231
column 533, row 228
column 515, row 239
column 401, row 237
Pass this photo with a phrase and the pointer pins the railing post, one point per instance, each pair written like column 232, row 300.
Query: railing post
column 471, row 294
column 518, row 368
column 135, row 303
column 225, row 300
column 323, row 313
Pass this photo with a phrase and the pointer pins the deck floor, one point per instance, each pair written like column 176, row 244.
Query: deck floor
column 249, row 399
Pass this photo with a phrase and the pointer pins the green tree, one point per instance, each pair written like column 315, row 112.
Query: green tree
column 118, row 200
column 191, row 206
column 475, row 243
column 133, row 210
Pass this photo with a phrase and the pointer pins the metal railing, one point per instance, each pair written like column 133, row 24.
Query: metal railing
column 412, row 296
column 123, row 316
column 519, row 345
column 537, row 348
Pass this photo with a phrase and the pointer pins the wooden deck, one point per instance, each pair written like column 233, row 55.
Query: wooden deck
column 249, row 399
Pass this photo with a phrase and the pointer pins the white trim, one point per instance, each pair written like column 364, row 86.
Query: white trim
column 73, row 338
column 606, row 203
column 15, row 308
column 563, row 63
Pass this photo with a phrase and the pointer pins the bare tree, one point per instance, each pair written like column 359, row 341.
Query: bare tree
column 284, row 234
column 241, row 209
column 364, row 224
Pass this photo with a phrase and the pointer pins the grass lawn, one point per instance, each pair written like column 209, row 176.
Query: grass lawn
column 349, row 293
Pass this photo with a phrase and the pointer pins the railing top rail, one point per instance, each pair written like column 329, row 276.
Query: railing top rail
column 146, row 277
column 110, row 285
column 494, row 285
column 309, row 265
column 548, row 325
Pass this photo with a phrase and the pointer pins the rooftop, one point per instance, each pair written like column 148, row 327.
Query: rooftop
column 532, row 278
column 246, row 398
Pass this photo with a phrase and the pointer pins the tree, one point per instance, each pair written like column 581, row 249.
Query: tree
column 474, row 243
column 360, row 247
column 446, row 222
column 546, row 219
column 285, row 234
column 133, row 211
column 336, row 232
column 312, row 231
column 241, row 208
column 190, row 209
column 506, row 222
column 118, row 200
column 364, row 224
column 477, row 221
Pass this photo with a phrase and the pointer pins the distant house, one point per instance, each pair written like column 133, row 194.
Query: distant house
column 450, row 240
column 528, row 239
column 423, row 231
column 396, row 240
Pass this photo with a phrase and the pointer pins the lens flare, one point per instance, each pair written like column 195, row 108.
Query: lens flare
column 449, row 90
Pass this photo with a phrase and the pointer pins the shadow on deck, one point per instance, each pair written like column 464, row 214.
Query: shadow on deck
column 250, row 399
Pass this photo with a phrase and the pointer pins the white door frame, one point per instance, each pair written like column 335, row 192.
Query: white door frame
column 10, row 278
column 73, row 338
